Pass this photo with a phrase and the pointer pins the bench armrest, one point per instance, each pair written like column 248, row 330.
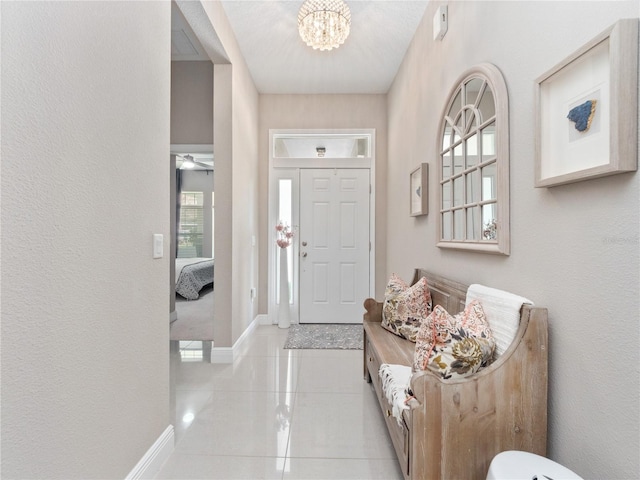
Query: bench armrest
column 507, row 401
column 373, row 310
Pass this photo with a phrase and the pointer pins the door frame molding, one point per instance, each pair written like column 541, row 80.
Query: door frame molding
column 289, row 168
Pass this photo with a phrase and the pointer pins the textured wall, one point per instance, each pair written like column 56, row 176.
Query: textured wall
column 245, row 197
column 85, row 143
column 574, row 248
column 236, row 160
column 192, row 103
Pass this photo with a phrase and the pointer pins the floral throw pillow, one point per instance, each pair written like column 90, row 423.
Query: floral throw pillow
column 462, row 357
column 405, row 307
column 455, row 346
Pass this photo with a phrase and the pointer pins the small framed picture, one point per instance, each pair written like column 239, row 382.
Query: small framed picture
column 419, row 190
column 586, row 110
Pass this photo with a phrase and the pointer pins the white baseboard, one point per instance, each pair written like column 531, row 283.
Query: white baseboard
column 263, row 319
column 150, row 464
column 222, row 355
column 228, row 354
column 173, row 316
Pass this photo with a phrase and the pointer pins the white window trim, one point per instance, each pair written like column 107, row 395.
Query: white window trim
column 495, row 80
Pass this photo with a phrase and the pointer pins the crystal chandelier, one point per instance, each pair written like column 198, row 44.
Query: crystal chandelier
column 324, row 24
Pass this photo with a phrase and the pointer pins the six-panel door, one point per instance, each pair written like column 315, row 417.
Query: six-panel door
column 334, row 244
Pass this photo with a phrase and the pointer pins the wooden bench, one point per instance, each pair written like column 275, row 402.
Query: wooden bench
column 454, row 428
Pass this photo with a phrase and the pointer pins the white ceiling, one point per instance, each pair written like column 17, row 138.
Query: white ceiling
column 184, row 43
column 281, row 63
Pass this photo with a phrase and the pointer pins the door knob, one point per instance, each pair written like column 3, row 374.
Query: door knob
column 304, row 254
column 304, row 244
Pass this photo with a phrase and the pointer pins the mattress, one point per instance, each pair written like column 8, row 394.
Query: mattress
column 191, row 275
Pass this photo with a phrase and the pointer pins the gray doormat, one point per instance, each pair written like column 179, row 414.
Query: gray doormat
column 325, row 336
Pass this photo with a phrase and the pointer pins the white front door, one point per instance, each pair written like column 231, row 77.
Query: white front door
column 334, row 244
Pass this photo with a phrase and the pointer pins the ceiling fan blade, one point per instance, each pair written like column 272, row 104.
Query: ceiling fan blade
column 187, row 162
column 203, row 165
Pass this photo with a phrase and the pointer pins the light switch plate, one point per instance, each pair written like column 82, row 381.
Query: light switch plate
column 158, row 245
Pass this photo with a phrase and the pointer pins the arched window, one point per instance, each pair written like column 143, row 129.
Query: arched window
column 473, row 164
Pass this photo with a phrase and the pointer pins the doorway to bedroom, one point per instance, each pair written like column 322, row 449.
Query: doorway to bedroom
column 193, row 225
column 192, row 191
column 192, row 207
column 194, row 263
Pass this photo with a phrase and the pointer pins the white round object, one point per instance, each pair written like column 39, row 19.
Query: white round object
column 515, row 465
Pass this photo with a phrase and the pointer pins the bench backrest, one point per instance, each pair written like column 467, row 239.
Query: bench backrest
column 444, row 292
column 453, row 295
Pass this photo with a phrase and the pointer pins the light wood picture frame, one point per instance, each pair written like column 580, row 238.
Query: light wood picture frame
column 419, row 190
column 586, row 110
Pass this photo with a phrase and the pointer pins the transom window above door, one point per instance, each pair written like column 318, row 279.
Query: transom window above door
column 324, row 145
column 473, row 164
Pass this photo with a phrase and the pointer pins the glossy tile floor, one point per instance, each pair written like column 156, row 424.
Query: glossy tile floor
column 276, row 414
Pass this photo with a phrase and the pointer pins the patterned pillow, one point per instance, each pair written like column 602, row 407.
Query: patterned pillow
column 405, row 307
column 454, row 346
column 462, row 357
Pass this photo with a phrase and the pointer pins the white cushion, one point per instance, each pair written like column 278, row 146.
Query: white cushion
column 395, row 380
column 502, row 310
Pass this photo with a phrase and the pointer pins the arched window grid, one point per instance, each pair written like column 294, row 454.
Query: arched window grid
column 472, row 167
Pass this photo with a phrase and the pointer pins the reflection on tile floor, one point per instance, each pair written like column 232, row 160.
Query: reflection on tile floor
column 275, row 414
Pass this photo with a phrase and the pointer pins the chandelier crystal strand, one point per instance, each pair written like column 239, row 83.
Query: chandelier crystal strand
column 324, row 24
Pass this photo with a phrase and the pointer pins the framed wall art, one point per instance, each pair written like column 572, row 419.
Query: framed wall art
column 419, row 190
column 586, row 110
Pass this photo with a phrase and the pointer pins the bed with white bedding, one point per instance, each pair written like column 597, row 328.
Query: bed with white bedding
column 191, row 275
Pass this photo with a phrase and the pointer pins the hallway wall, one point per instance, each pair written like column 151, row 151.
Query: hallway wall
column 574, row 248
column 85, row 334
column 236, row 184
column 192, row 102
